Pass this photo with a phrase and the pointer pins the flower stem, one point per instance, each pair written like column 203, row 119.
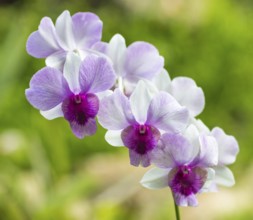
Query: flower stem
column 177, row 211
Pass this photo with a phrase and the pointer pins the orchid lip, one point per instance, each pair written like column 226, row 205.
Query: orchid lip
column 80, row 107
column 140, row 138
column 187, row 180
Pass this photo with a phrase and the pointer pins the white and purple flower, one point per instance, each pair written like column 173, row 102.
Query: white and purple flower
column 74, row 93
column 228, row 149
column 185, row 164
column 138, row 122
column 70, row 34
column 183, row 89
column 138, row 61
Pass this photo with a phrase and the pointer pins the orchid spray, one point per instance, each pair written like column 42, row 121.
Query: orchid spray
column 131, row 94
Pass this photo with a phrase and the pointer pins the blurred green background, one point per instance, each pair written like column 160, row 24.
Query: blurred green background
column 46, row 173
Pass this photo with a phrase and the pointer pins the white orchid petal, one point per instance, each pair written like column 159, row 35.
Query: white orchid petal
column 114, row 138
column 155, row 178
column 53, row 113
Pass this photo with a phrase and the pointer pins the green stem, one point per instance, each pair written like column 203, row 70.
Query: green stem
column 177, row 211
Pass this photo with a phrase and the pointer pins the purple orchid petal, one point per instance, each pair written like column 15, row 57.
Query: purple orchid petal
column 100, row 47
column 64, row 30
column 87, row 29
column 142, row 61
column 139, row 159
column 140, row 100
column 37, row 47
column 165, row 113
column 43, row 42
column 173, row 151
column 187, row 93
column 227, row 146
column 96, row 74
column 115, row 112
column 184, row 201
column 83, row 130
column 71, row 72
column 48, row 88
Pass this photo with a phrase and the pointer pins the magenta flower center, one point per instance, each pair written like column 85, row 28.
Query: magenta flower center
column 79, row 108
column 140, row 138
column 187, row 180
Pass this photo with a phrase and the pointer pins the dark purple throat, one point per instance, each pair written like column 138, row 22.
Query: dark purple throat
column 140, row 138
column 79, row 108
column 187, row 180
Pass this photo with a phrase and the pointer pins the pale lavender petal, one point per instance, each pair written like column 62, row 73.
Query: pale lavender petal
column 53, row 113
column 100, row 46
column 142, row 61
column 192, row 135
column 227, row 146
column 64, row 30
column 71, row 72
column 140, row 100
column 184, row 201
column 208, row 151
column 188, row 94
column 104, row 94
column 48, row 88
column 174, row 151
column 165, row 113
column 114, row 138
column 155, row 178
column 37, row 47
column 116, row 50
column 48, row 32
column 139, row 159
column 57, row 60
column 81, row 131
column 87, row 29
column 162, row 81
column 200, row 126
column 43, row 42
column 192, row 200
column 224, row 176
column 96, row 74
column 209, row 185
column 115, row 112
column 135, row 159
column 180, row 199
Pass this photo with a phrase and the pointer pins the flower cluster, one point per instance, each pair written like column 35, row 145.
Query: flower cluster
column 131, row 94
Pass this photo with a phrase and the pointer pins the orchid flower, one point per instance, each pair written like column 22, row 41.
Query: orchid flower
column 74, row 93
column 70, row 34
column 183, row 89
column 184, row 163
column 228, row 150
column 138, row 121
column 138, row 61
